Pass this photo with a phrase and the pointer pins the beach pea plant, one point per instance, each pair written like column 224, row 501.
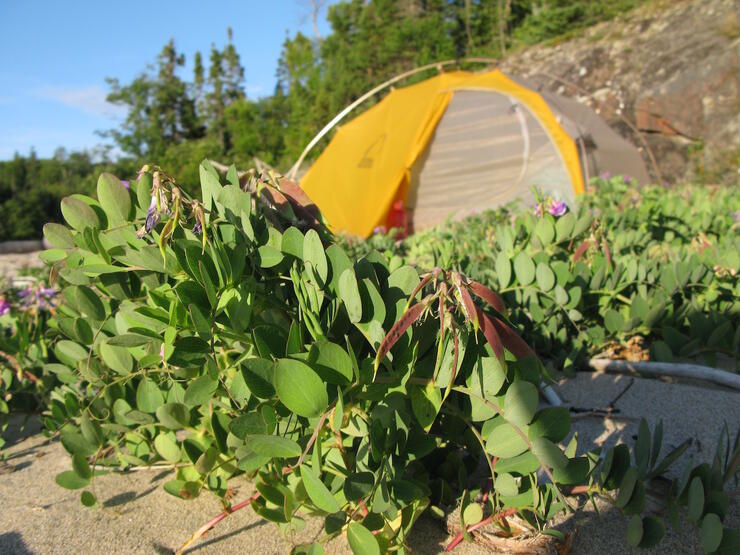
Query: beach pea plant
column 24, row 315
column 655, row 262
column 231, row 340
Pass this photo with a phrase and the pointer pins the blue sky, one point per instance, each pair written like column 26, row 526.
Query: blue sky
column 55, row 56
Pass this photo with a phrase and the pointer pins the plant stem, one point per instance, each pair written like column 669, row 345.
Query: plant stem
column 498, row 516
column 200, row 532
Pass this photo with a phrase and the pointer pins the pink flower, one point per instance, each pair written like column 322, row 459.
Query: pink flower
column 4, row 306
column 379, row 230
column 557, row 207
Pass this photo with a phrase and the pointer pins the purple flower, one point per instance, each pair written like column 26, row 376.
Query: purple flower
column 152, row 216
column 4, row 306
column 605, row 175
column 627, row 179
column 125, row 183
column 379, row 230
column 557, row 207
column 197, row 229
column 25, row 293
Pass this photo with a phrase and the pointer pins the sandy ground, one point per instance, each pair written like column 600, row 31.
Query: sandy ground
column 137, row 516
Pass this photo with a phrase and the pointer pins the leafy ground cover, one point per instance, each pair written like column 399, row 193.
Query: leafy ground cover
column 626, row 262
column 229, row 337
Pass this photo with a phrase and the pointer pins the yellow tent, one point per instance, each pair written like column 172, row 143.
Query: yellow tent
column 452, row 144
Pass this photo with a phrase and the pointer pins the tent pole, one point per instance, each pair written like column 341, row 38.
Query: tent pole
column 294, row 170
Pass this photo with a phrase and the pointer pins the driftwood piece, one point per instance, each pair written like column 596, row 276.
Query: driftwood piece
column 666, row 369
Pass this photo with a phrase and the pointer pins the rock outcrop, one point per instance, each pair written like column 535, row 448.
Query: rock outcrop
column 666, row 76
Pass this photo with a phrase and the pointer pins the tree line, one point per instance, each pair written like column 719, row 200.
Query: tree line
column 177, row 120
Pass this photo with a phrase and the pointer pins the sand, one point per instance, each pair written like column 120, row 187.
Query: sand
column 137, row 516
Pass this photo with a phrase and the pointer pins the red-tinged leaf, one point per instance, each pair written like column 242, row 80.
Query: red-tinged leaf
column 607, row 253
column 468, row 305
column 493, row 299
column 581, row 250
column 490, row 333
column 278, row 201
column 399, row 328
column 303, row 206
column 515, row 344
column 424, row 280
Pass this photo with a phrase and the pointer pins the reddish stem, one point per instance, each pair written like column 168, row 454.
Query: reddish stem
column 200, row 532
column 459, row 538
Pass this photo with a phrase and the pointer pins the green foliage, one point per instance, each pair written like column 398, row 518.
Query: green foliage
column 27, row 369
column 652, row 262
column 244, row 353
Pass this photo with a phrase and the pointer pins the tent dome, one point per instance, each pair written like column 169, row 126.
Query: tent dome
column 461, row 142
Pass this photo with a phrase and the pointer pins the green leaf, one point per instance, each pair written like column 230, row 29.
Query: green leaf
column 273, row 446
column 506, row 484
column 113, row 198
column 313, row 253
column 545, row 277
column 473, row 513
column 696, row 499
column 349, row 292
column 520, row 402
column 331, row 362
column 269, row 256
column 358, row 486
column 76, row 444
column 653, row 531
column 210, row 187
column 70, row 480
column 117, row 358
column 710, row 533
column 78, row 214
column 59, row 236
column 524, row 268
column 504, row 442
column 81, row 467
column 613, row 321
column 200, row 391
column 88, row 499
column 148, row 396
column 174, row 416
column 361, row 540
column 627, row 487
column 549, row 453
column 258, row 375
column 425, row 403
column 317, row 491
column 552, row 423
column 564, row 226
column 293, row 242
column 634, row 531
column 252, row 423
column 85, row 301
column 128, row 340
column 168, row 448
column 299, row 388
column 503, row 269
column 545, row 231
